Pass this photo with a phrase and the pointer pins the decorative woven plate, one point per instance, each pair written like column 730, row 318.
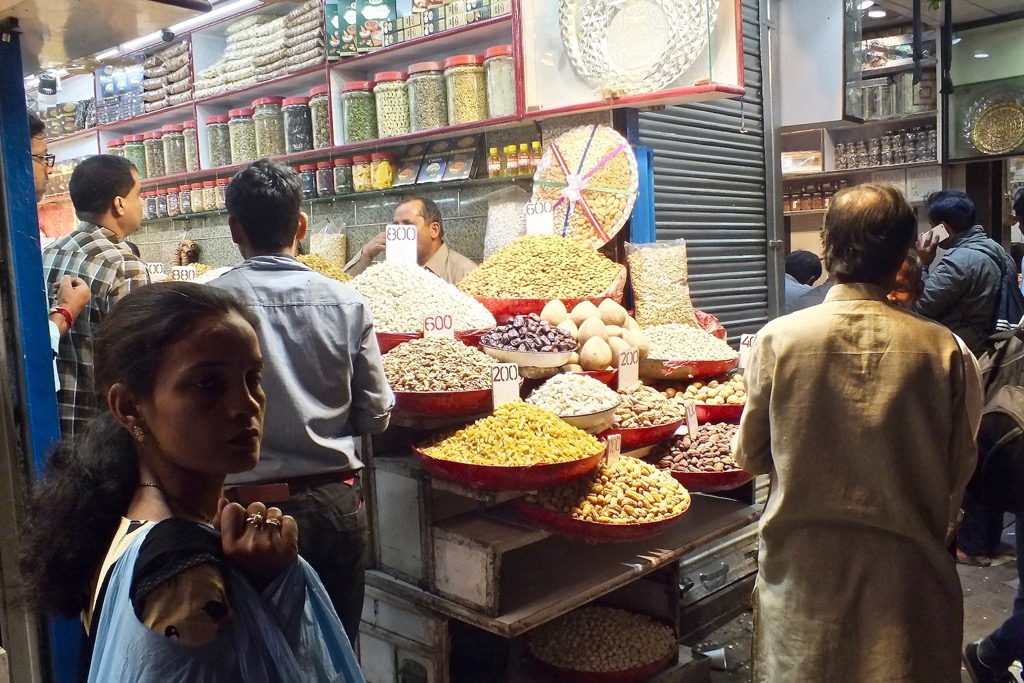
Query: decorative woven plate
column 999, row 128
column 603, row 41
column 590, row 176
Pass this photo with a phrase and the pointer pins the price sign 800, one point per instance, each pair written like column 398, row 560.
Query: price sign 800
column 400, row 244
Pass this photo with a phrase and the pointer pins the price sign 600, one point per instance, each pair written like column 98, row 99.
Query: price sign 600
column 539, row 218
column 439, row 326
column 400, row 244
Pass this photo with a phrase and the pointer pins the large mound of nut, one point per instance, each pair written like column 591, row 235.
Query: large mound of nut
column 717, row 392
column 709, row 452
column 325, row 267
column 643, row 406
column 601, row 332
column 401, row 295
column 542, row 267
column 528, row 333
column 685, row 342
column 437, row 364
column 661, row 291
column 517, row 434
column 573, row 395
column 629, row 492
column 602, row 639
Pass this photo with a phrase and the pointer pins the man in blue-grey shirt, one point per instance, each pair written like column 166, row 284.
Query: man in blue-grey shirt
column 323, row 378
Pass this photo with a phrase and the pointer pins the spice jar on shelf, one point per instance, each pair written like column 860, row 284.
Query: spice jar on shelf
column 428, row 101
column 358, row 112
column 134, row 151
column 173, row 205
column 466, row 84
column 243, row 136
column 185, row 199
column 342, row 176
column 154, row 154
column 501, row 81
column 116, row 147
column 174, row 150
column 219, row 138
column 196, row 192
column 191, row 147
column 382, row 170
column 840, row 154
column 817, row 199
column 149, row 207
column 222, row 193
column 392, row 103
column 324, row 179
column 269, row 122
column 161, row 203
column 362, row 180
column 320, row 116
column 298, row 125
column 307, row 176
column 210, row 195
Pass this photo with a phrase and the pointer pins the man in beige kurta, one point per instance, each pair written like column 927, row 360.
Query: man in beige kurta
column 859, row 411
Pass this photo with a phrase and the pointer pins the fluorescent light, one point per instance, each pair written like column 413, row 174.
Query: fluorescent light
column 877, row 13
column 981, row 55
column 138, row 43
column 865, row 4
column 956, row 39
column 221, row 10
column 107, row 54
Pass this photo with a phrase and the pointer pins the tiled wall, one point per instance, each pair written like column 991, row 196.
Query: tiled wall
column 464, row 211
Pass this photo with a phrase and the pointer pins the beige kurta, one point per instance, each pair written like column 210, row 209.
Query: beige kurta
column 858, row 410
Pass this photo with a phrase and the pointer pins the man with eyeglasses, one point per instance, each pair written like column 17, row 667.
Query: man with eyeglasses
column 72, row 293
column 105, row 192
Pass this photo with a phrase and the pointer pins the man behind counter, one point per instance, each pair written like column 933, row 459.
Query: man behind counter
column 433, row 254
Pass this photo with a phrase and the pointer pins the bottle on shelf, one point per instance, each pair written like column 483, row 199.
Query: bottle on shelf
column 525, row 161
column 493, row 163
column 511, row 161
column 536, row 154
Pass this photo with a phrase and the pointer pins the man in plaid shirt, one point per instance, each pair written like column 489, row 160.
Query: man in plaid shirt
column 105, row 192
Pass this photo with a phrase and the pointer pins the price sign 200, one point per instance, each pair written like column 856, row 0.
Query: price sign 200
column 400, row 244
column 629, row 368
column 505, row 378
column 439, row 326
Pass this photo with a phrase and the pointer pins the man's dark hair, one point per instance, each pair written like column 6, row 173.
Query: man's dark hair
column 868, row 230
column 1018, row 206
column 265, row 198
column 804, row 265
column 36, row 128
column 429, row 212
column 97, row 180
column 952, row 207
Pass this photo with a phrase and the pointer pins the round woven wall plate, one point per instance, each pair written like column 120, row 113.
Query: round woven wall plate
column 999, row 128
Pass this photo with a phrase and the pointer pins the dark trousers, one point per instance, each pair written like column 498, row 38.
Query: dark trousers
column 334, row 539
column 980, row 531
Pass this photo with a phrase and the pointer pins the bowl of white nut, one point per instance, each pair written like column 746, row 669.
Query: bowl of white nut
column 582, row 401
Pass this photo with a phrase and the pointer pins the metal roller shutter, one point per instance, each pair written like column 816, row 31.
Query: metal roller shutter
column 710, row 179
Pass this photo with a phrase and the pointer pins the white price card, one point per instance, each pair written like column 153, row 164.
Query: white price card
column 540, row 218
column 400, row 243
column 629, row 368
column 440, row 325
column 155, row 268
column 746, row 341
column 691, row 419
column 505, row 380
column 613, row 449
column 183, row 273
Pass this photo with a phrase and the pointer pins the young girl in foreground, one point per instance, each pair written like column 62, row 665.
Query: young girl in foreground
column 128, row 527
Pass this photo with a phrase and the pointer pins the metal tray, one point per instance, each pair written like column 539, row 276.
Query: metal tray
column 389, row 340
column 444, row 403
column 628, row 676
column 641, row 437
column 712, row 482
column 655, row 369
column 498, row 478
column 722, row 413
column 589, row 531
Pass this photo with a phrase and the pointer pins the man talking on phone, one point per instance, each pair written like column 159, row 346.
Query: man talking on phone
column 961, row 290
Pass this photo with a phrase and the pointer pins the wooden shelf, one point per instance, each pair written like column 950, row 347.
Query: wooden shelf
column 856, row 171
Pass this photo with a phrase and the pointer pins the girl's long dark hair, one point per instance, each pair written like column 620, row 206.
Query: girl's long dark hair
column 75, row 508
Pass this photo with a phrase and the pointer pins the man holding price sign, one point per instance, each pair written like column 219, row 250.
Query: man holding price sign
column 417, row 234
column 323, row 379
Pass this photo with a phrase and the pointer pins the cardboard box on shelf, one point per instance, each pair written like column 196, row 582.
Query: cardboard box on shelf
column 371, row 16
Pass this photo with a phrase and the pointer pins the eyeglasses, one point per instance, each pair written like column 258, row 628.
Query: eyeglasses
column 47, row 159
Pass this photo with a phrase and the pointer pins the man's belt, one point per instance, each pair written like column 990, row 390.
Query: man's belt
column 281, row 491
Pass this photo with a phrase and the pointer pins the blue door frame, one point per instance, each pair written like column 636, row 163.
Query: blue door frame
column 23, row 277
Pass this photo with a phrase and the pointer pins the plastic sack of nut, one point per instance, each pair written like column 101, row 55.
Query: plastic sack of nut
column 661, row 288
column 175, row 63
column 296, row 31
column 154, row 106
column 151, row 84
column 180, row 98
column 506, row 220
column 305, row 9
column 247, row 23
column 305, row 47
column 299, row 62
column 271, row 56
column 177, row 88
column 173, row 51
column 154, row 95
column 590, row 176
column 329, row 244
column 179, row 74
column 154, row 72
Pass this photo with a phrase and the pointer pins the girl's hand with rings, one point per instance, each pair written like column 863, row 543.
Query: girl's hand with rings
column 261, row 542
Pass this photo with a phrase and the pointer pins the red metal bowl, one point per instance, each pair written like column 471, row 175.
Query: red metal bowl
column 498, row 478
column 641, row 437
column 389, row 340
column 444, row 403
column 628, row 676
column 711, row 482
column 503, row 309
column 655, row 369
column 589, row 531
column 722, row 413
column 605, row 377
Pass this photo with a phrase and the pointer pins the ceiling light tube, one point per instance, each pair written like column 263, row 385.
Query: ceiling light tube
column 877, row 13
column 139, row 43
column 221, row 10
column 866, row 4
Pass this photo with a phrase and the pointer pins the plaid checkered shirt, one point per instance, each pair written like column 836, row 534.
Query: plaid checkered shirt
column 111, row 270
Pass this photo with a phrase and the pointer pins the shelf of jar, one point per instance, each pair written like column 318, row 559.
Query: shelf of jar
column 471, row 38
column 857, row 171
column 390, row 192
column 892, row 70
column 344, row 150
column 892, row 121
